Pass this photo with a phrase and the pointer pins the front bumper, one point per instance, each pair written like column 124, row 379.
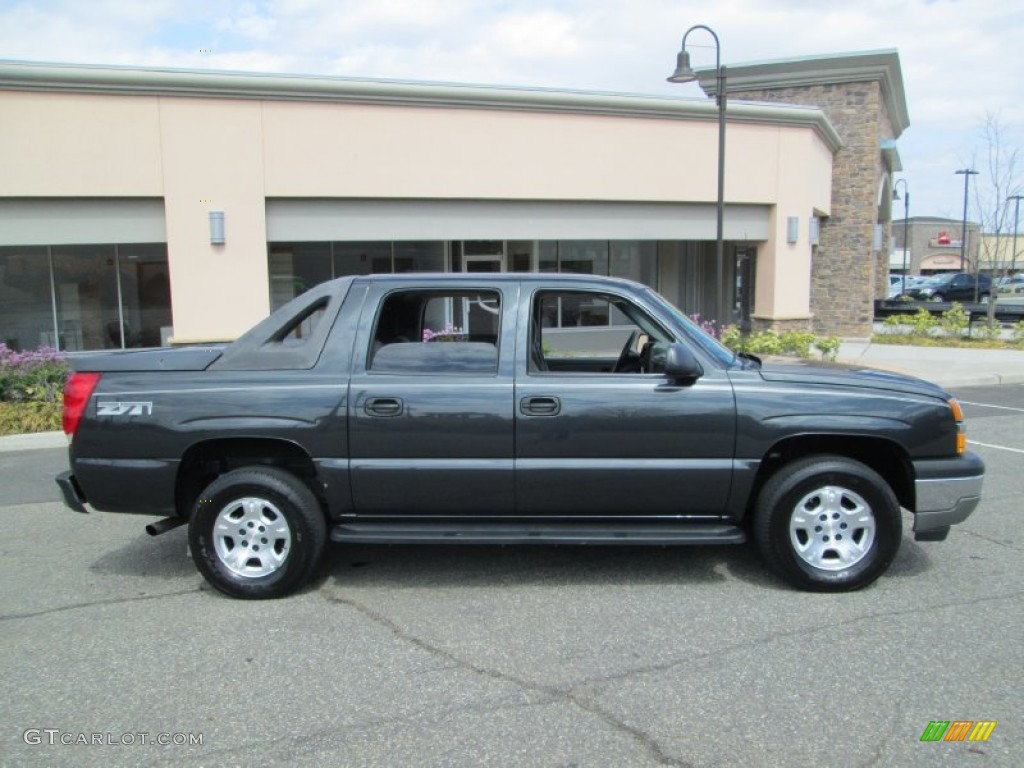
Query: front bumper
column 946, row 491
column 73, row 495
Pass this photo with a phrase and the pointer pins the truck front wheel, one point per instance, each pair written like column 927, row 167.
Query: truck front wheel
column 828, row 524
column 257, row 533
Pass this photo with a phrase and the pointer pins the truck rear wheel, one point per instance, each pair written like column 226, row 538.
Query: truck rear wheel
column 828, row 524
column 257, row 533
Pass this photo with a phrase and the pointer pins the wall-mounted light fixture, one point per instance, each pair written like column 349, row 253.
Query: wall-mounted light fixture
column 792, row 229
column 876, row 243
column 814, row 230
column 216, row 227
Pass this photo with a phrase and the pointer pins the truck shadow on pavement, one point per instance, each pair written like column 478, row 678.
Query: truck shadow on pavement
column 412, row 567
column 415, row 567
column 163, row 557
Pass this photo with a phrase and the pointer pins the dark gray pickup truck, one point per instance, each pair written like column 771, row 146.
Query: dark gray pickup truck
column 509, row 409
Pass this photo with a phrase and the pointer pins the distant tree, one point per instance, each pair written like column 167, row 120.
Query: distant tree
column 999, row 178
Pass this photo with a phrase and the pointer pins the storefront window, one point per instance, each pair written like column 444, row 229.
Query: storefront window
column 422, row 256
column 583, row 257
column 84, row 297
column 26, row 310
column 145, row 294
column 358, row 258
column 85, row 282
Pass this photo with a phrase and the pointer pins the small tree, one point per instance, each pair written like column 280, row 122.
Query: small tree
column 999, row 179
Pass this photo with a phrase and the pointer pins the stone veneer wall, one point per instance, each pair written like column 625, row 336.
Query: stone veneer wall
column 846, row 274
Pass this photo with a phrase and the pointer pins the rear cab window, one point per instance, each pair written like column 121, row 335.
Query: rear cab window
column 436, row 331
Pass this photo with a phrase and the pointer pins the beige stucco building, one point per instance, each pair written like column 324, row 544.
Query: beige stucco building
column 116, row 185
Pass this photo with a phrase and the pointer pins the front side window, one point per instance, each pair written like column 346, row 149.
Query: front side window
column 589, row 332
column 437, row 332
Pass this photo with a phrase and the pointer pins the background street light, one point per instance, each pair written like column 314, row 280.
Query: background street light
column 967, row 173
column 1016, row 217
column 906, row 221
column 685, row 74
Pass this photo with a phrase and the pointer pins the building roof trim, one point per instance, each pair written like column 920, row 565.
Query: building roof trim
column 147, row 81
column 882, row 66
column 891, row 155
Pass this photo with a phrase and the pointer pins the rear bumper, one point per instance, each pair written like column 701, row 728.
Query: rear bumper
column 947, row 491
column 73, row 495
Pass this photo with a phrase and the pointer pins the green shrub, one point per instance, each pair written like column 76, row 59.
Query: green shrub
column 1018, row 332
column 922, row 322
column 896, row 323
column 19, row 418
column 797, row 343
column 771, row 343
column 764, row 343
column 828, row 346
column 989, row 329
column 954, row 321
column 732, row 337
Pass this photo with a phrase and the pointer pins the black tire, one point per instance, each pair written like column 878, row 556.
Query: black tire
column 937, row 298
column 815, row 513
column 279, row 540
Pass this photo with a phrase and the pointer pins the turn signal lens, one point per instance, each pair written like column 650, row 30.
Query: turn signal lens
column 961, row 430
column 958, row 413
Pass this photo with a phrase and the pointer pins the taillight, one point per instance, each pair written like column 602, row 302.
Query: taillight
column 961, row 429
column 77, row 392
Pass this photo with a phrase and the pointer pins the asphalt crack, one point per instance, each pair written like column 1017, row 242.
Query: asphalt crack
column 784, row 635
column 553, row 693
column 95, row 603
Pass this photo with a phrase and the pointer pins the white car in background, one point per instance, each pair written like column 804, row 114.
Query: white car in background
column 896, row 284
column 1010, row 291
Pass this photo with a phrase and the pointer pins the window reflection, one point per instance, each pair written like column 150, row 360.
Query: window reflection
column 26, row 310
column 84, row 297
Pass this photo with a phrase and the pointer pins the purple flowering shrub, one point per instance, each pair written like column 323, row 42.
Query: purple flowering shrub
column 32, row 376
column 708, row 326
column 448, row 333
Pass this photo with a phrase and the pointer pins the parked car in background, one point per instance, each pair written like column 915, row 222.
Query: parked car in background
column 953, row 286
column 900, row 283
column 1010, row 290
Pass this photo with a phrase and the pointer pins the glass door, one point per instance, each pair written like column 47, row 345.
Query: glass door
column 483, row 256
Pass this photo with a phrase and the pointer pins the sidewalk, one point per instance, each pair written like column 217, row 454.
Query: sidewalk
column 945, row 366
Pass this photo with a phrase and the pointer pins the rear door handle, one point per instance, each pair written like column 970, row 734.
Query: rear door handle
column 383, row 406
column 540, row 406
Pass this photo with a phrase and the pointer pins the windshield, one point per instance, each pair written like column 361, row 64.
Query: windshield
column 693, row 331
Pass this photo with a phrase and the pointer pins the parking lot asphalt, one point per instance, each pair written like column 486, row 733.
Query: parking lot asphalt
column 431, row 656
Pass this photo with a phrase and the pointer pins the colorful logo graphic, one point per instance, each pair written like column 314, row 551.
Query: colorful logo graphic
column 958, row 730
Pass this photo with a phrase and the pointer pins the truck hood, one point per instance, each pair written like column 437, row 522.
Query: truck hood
column 163, row 359
column 845, row 375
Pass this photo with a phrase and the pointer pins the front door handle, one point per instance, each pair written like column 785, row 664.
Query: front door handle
column 383, row 406
column 540, row 406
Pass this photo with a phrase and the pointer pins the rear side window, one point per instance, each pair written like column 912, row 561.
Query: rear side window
column 437, row 332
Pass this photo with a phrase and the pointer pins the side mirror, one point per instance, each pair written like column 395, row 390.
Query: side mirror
column 681, row 364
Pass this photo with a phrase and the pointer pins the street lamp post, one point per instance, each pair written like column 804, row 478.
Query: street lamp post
column 906, row 222
column 967, row 173
column 1016, row 217
column 685, row 74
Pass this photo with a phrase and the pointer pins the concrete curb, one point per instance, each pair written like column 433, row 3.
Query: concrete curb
column 32, row 442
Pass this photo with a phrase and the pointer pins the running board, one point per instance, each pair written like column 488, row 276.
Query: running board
column 624, row 534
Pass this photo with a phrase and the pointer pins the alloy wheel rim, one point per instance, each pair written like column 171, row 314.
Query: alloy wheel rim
column 832, row 528
column 252, row 538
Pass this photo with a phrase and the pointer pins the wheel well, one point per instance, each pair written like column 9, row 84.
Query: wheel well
column 885, row 457
column 208, row 460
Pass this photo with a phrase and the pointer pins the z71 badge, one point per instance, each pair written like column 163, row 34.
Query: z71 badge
column 124, row 409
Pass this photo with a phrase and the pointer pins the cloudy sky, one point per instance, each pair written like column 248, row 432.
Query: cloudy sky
column 962, row 60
